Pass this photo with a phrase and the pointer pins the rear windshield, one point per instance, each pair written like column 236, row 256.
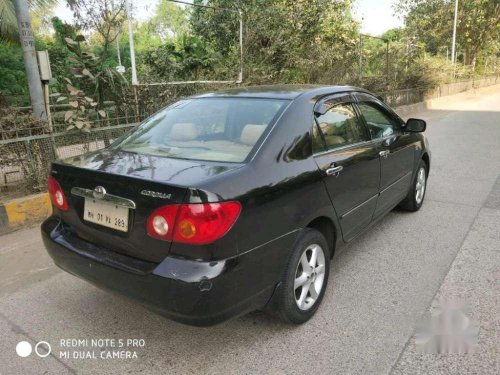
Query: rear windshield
column 212, row 129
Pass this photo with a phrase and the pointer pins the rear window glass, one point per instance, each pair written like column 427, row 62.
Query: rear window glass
column 212, row 129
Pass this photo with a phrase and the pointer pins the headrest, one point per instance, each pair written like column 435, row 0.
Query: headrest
column 251, row 133
column 183, row 131
column 328, row 129
column 333, row 140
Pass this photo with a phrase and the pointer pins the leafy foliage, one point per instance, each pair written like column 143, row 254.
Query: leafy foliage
column 13, row 78
column 187, row 59
column 86, row 99
column 431, row 22
column 285, row 41
column 8, row 22
column 290, row 41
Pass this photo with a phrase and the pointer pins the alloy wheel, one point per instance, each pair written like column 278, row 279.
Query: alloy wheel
column 420, row 187
column 309, row 277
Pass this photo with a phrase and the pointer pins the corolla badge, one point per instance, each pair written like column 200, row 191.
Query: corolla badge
column 155, row 194
column 99, row 192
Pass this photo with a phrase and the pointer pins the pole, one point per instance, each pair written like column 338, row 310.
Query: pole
column 118, row 50
column 30, row 62
column 137, row 117
column 454, row 39
column 49, row 117
column 240, row 78
column 387, row 61
column 117, row 30
column 131, row 44
column 360, row 57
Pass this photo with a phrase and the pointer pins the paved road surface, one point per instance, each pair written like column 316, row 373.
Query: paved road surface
column 380, row 286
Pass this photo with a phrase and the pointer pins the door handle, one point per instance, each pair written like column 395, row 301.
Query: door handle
column 384, row 153
column 334, row 171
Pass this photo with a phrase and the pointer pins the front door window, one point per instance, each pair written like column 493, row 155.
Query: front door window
column 379, row 123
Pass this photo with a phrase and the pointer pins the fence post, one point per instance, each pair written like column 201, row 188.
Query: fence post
column 28, row 152
column 136, row 104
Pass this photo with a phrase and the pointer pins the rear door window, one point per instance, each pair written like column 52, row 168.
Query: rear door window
column 340, row 126
column 212, row 129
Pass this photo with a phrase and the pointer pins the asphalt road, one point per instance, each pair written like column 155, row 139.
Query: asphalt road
column 380, row 287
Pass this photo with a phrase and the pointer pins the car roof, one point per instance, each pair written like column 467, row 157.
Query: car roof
column 289, row 92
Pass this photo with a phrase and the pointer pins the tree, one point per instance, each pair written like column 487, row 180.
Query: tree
column 8, row 22
column 184, row 59
column 169, row 20
column 284, row 40
column 431, row 22
column 104, row 18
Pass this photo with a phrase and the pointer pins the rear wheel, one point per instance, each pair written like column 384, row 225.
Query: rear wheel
column 305, row 278
column 415, row 197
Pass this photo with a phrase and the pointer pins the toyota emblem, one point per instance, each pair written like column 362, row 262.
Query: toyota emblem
column 99, row 192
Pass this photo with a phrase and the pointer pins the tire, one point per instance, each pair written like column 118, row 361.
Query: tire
column 315, row 280
column 415, row 198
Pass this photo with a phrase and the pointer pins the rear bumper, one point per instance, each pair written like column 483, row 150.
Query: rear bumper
column 191, row 292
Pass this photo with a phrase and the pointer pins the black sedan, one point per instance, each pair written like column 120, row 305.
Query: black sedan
column 237, row 200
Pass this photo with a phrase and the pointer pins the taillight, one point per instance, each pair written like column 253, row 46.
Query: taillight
column 199, row 223
column 161, row 222
column 57, row 194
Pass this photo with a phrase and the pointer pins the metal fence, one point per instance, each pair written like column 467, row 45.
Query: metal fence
column 25, row 160
column 27, row 148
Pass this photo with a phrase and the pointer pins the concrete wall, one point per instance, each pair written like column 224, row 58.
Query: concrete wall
column 448, row 89
column 458, row 87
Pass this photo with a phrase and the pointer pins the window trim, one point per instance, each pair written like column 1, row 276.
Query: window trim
column 347, row 147
column 321, row 136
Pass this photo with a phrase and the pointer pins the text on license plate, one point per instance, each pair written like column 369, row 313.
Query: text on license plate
column 107, row 214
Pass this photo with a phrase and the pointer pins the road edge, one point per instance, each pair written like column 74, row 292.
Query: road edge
column 20, row 212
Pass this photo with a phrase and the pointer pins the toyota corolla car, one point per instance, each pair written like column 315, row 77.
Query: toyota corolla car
column 234, row 201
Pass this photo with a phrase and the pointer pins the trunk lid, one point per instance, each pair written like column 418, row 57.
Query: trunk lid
column 148, row 181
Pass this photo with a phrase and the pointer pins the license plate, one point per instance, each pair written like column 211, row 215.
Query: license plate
column 106, row 214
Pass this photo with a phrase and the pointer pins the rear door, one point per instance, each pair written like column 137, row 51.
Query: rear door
column 349, row 161
column 395, row 149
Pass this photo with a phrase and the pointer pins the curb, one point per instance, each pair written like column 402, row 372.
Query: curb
column 19, row 212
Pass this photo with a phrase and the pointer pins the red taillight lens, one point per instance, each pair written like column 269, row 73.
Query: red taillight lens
column 199, row 223
column 57, row 194
column 205, row 222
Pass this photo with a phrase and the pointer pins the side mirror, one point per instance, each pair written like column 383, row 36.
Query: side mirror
column 415, row 125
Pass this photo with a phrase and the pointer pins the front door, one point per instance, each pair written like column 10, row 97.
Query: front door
column 395, row 149
column 349, row 161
